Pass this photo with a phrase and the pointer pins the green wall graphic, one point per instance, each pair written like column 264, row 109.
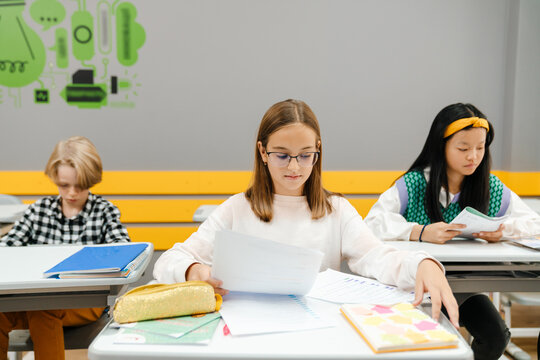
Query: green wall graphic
column 22, row 53
column 69, row 53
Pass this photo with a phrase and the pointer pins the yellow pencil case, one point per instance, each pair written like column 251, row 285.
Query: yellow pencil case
column 157, row 301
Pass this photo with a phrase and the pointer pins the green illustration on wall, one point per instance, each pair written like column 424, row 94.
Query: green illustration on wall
column 47, row 12
column 69, row 53
column 22, row 53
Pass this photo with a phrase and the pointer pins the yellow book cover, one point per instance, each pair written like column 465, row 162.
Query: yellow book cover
column 399, row 327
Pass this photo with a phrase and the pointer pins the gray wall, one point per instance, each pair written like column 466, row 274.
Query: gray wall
column 375, row 73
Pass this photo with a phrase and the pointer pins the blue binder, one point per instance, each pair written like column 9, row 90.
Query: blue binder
column 98, row 260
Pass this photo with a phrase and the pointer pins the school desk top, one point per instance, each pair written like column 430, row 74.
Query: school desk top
column 23, row 287
column 477, row 266
column 336, row 343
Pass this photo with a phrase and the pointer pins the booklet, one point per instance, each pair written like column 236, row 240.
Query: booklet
column 128, row 269
column 98, row 261
column 149, row 333
column 476, row 222
column 175, row 327
column 400, row 327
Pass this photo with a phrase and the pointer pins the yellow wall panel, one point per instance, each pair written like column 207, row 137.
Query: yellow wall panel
column 160, row 210
column 228, row 182
column 163, row 238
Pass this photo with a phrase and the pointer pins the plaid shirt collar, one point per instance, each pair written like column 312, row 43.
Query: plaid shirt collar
column 56, row 208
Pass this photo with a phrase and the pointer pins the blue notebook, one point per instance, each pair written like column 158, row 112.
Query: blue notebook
column 98, row 260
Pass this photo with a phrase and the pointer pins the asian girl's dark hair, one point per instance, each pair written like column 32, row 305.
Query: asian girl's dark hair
column 475, row 187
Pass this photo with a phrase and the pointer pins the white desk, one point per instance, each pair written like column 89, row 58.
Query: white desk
column 22, row 286
column 478, row 266
column 9, row 213
column 340, row 342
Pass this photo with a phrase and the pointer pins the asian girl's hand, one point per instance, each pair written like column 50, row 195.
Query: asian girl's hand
column 430, row 278
column 203, row 272
column 437, row 233
column 490, row 236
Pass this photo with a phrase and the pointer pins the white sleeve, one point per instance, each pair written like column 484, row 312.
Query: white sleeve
column 368, row 256
column 198, row 248
column 385, row 220
column 522, row 221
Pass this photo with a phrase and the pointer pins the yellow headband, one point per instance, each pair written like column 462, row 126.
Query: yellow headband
column 463, row 123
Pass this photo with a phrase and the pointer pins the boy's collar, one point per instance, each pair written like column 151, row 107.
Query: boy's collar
column 84, row 213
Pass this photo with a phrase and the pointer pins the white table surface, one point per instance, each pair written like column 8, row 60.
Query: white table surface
column 478, row 266
column 340, row 342
column 21, row 276
column 471, row 251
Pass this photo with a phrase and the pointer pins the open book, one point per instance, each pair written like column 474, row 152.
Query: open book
column 400, row 327
column 476, row 222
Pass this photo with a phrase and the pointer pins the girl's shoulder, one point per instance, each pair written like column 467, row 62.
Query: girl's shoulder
column 413, row 179
column 494, row 179
column 237, row 199
column 340, row 204
column 414, row 174
column 234, row 202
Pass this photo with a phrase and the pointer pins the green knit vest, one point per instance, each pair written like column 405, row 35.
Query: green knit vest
column 416, row 189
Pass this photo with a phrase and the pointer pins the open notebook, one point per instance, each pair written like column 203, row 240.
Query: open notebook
column 476, row 222
column 400, row 327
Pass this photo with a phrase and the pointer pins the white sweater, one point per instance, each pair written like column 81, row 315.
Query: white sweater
column 339, row 235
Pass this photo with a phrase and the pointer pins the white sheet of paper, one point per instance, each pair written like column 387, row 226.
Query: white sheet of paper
column 338, row 287
column 251, row 313
column 476, row 223
column 251, row 264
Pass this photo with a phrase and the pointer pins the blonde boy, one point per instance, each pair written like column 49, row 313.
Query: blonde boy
column 75, row 216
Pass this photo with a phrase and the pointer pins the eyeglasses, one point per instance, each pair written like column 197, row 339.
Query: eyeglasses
column 280, row 159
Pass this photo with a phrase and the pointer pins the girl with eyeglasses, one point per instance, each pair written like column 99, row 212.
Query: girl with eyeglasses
column 451, row 173
column 287, row 203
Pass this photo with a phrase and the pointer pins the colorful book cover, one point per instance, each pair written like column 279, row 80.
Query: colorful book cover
column 399, row 327
column 192, row 329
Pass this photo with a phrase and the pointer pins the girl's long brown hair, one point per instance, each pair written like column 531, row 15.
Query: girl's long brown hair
column 261, row 191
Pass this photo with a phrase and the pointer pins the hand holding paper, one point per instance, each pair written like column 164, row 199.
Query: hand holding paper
column 477, row 222
column 251, row 264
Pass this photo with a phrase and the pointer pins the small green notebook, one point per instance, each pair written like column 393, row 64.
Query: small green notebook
column 198, row 329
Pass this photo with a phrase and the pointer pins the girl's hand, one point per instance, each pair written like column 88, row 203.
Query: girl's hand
column 430, row 278
column 490, row 236
column 440, row 232
column 203, row 272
